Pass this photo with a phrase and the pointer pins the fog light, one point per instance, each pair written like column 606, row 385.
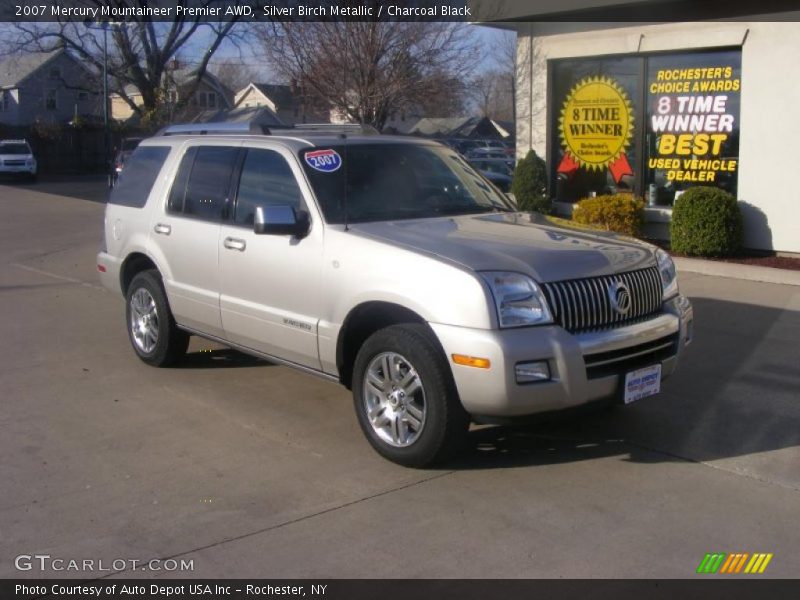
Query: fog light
column 532, row 372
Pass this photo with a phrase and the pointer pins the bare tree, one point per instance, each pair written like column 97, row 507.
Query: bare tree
column 235, row 74
column 140, row 54
column 366, row 71
column 493, row 94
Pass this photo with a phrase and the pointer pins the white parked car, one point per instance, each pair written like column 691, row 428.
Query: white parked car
column 16, row 157
column 388, row 265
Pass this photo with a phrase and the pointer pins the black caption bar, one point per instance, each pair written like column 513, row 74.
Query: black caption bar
column 243, row 10
column 333, row 589
column 395, row 10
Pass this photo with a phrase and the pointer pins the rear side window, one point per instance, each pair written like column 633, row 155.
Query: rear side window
column 137, row 178
column 266, row 180
column 201, row 186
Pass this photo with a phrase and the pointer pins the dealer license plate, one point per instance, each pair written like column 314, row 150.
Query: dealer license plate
column 642, row 383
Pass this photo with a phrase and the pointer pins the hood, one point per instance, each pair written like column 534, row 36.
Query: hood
column 15, row 156
column 521, row 242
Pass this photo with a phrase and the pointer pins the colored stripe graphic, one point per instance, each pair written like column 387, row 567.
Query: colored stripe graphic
column 711, row 562
column 734, row 563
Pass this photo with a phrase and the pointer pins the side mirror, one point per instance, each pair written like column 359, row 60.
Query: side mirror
column 281, row 220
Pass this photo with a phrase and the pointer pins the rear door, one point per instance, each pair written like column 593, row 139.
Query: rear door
column 271, row 283
column 187, row 234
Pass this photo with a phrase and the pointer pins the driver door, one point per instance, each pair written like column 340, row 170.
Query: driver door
column 270, row 284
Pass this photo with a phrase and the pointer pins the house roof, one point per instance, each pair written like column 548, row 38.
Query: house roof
column 280, row 96
column 445, row 126
column 461, row 127
column 185, row 76
column 14, row 69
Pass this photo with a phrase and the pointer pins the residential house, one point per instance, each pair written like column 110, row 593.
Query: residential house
column 211, row 94
column 286, row 101
column 50, row 87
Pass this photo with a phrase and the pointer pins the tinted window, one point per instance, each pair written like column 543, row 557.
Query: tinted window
column 398, row 181
column 209, row 181
column 266, row 180
column 9, row 148
column 178, row 191
column 136, row 180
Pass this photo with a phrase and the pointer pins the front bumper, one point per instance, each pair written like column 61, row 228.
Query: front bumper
column 15, row 169
column 583, row 367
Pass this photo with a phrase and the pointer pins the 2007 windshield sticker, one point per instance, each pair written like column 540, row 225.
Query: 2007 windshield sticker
column 326, row 161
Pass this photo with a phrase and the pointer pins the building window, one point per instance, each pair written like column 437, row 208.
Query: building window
column 212, row 99
column 5, row 100
column 54, row 73
column 51, row 100
column 649, row 125
column 692, row 126
column 592, row 127
column 83, row 95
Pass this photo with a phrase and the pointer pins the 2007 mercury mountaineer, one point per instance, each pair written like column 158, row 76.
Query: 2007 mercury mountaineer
column 390, row 265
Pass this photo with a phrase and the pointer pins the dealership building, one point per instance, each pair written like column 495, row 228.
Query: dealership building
column 654, row 107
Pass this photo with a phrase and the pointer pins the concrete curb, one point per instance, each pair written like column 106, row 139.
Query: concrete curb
column 737, row 271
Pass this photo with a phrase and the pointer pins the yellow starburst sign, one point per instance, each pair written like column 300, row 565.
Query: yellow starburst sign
column 596, row 127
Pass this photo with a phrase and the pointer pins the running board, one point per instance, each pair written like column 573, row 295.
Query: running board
column 264, row 355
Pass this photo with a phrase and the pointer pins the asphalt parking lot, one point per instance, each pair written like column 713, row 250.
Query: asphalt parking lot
column 253, row 470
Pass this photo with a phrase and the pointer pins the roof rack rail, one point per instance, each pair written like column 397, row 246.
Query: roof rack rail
column 351, row 128
column 222, row 127
column 248, row 128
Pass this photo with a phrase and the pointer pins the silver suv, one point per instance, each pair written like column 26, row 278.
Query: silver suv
column 391, row 266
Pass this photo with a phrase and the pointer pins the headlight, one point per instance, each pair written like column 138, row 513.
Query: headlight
column 669, row 276
column 518, row 299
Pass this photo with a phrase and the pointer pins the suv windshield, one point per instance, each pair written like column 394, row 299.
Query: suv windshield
column 14, row 148
column 384, row 182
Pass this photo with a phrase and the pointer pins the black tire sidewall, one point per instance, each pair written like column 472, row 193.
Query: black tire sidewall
column 445, row 419
column 164, row 351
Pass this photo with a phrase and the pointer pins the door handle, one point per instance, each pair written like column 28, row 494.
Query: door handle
column 162, row 229
column 234, row 244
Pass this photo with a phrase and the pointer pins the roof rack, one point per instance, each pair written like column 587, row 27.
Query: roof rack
column 248, row 128
column 229, row 128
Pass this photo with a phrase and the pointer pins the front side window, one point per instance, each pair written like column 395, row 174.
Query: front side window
column 266, row 180
column 387, row 181
column 200, row 189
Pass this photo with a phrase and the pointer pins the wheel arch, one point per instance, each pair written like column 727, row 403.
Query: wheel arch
column 364, row 320
column 134, row 263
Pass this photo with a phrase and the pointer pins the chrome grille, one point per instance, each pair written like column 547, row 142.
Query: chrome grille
column 584, row 304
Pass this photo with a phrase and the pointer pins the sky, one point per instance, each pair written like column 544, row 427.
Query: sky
column 487, row 37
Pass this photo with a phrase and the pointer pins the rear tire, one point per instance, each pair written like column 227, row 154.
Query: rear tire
column 405, row 398
column 152, row 331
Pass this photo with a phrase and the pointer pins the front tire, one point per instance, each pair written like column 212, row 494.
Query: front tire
column 153, row 333
column 405, row 398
